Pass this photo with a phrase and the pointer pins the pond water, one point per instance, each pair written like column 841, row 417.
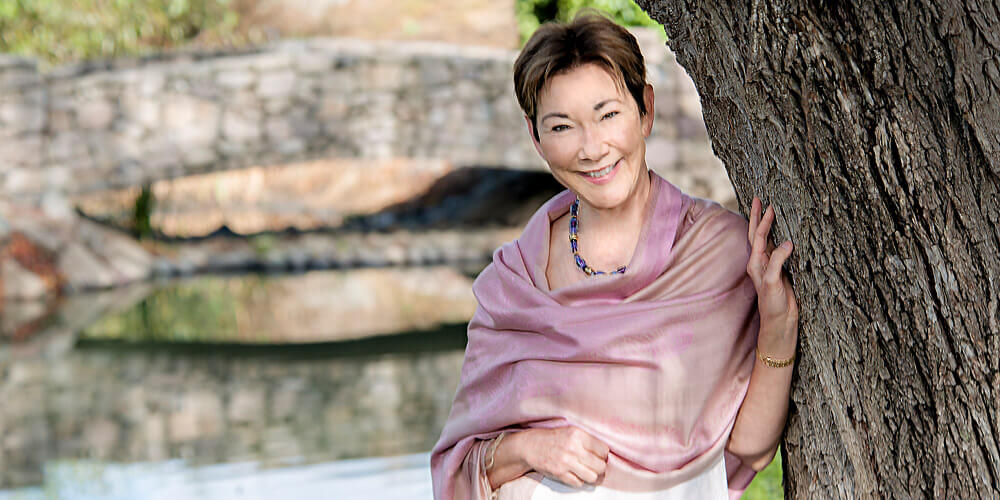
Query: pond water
column 330, row 384
column 327, row 384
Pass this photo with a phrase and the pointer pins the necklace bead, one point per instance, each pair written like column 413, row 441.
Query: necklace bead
column 573, row 239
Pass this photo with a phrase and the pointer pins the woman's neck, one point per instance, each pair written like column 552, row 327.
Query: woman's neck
column 626, row 218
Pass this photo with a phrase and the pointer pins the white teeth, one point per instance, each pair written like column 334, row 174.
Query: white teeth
column 602, row 172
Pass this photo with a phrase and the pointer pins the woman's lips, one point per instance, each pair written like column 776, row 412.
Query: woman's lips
column 604, row 178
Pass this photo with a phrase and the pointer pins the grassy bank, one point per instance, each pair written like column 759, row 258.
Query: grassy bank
column 58, row 31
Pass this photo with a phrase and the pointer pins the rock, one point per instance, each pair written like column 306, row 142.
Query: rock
column 57, row 206
column 312, row 61
column 153, row 431
column 279, row 129
column 240, row 126
column 151, row 82
column 274, row 262
column 372, row 257
column 298, row 259
column 285, row 400
column 162, row 268
column 95, row 114
column 18, row 315
column 19, row 80
column 395, row 254
column 185, row 266
column 20, row 283
column 276, row 84
column 128, row 259
column 291, row 146
column 26, row 151
column 333, row 107
column 189, row 120
column 46, row 236
column 145, row 111
column 133, row 405
column 160, row 153
column 471, row 253
column 661, row 153
column 23, row 374
column 277, row 105
column 83, row 270
column 271, row 61
column 235, row 79
column 101, row 436
column 229, row 148
column 230, row 261
column 66, row 146
column 200, row 416
column 433, row 254
column 10, row 62
column 246, row 406
column 22, row 116
column 689, row 105
column 202, row 156
column 451, row 254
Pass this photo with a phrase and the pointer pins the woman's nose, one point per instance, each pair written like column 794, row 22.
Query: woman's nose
column 593, row 147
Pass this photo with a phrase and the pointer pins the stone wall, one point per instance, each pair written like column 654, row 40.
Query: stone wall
column 141, row 406
column 23, row 118
column 116, row 124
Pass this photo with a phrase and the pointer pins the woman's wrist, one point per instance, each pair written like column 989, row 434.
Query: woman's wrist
column 512, row 448
column 777, row 341
column 509, row 461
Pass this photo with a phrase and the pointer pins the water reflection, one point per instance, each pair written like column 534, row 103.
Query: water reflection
column 312, row 307
column 176, row 384
column 402, row 477
column 216, row 408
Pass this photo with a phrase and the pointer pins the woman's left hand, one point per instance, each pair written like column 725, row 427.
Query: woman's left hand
column 779, row 312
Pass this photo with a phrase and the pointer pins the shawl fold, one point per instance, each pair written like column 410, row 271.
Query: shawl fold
column 654, row 362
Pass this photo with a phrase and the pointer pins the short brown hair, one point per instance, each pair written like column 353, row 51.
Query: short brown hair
column 589, row 38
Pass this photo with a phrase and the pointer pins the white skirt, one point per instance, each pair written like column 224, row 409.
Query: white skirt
column 709, row 485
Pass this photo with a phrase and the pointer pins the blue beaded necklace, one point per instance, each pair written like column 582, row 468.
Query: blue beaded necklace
column 582, row 264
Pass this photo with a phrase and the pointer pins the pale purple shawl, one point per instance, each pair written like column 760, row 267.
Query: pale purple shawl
column 654, row 362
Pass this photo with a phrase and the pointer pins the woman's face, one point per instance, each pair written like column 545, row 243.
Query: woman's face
column 591, row 135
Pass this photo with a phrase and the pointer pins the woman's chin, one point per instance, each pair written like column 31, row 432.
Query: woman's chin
column 604, row 197
column 602, row 193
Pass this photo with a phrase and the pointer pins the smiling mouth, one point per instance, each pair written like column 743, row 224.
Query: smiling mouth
column 602, row 172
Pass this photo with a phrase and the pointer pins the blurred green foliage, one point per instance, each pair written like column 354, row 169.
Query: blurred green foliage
column 58, row 31
column 198, row 310
column 143, row 212
column 767, row 484
column 532, row 13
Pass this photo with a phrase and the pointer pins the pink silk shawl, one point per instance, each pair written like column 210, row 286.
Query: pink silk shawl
column 654, row 362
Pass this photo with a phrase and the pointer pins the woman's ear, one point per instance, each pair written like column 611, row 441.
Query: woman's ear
column 531, row 132
column 649, row 101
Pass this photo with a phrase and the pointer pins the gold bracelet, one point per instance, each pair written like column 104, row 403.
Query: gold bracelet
column 493, row 450
column 775, row 363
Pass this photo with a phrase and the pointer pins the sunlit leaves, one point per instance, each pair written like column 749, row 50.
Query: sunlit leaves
column 70, row 30
column 531, row 13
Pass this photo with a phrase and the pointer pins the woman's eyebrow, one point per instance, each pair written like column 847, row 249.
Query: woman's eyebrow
column 563, row 115
column 602, row 103
column 554, row 115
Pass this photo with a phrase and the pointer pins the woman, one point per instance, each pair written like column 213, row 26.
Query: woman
column 612, row 354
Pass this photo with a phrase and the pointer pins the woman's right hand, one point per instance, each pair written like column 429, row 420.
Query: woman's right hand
column 566, row 454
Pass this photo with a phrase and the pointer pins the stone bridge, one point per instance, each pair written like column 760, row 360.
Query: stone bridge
column 81, row 130
column 113, row 124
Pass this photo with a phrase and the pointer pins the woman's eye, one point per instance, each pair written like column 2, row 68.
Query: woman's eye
column 609, row 114
column 559, row 128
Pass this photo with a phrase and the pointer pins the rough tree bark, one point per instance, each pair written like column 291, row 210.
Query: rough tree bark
column 874, row 128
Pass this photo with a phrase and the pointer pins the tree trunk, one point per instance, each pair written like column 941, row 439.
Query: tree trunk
column 874, row 128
